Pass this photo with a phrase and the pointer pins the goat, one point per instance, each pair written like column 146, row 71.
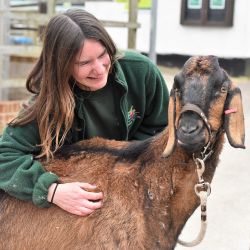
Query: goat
column 148, row 186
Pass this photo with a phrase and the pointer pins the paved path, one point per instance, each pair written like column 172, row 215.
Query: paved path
column 229, row 202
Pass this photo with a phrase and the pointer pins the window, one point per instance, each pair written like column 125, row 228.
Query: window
column 207, row 12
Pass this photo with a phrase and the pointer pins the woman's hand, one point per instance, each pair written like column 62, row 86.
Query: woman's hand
column 73, row 198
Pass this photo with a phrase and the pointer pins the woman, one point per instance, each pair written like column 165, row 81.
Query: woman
column 81, row 89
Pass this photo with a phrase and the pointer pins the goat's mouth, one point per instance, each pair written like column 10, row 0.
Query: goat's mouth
column 192, row 138
column 192, row 146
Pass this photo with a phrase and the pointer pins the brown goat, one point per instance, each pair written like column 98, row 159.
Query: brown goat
column 147, row 197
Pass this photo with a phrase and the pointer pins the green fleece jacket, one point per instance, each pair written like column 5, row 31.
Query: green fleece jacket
column 134, row 105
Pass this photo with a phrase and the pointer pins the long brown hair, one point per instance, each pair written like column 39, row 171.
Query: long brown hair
column 51, row 81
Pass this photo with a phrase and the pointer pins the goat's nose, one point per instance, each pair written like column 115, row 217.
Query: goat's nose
column 189, row 128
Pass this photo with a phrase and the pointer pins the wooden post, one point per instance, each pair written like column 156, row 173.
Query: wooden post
column 4, row 59
column 51, row 8
column 133, row 10
column 47, row 7
column 153, row 29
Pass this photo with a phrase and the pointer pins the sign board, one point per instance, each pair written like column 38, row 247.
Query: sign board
column 194, row 4
column 142, row 4
column 217, row 4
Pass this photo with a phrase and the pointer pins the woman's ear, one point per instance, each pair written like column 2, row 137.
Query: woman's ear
column 234, row 118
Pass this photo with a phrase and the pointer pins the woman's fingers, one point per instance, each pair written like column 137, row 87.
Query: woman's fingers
column 86, row 185
column 92, row 196
column 92, row 204
column 87, row 208
column 73, row 198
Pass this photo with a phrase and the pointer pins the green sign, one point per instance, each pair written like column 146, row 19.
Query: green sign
column 142, row 4
column 217, row 4
column 194, row 4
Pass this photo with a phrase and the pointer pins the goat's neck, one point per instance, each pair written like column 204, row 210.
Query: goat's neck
column 178, row 171
column 184, row 201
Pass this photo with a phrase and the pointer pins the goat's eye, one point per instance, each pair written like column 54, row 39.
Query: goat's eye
column 223, row 89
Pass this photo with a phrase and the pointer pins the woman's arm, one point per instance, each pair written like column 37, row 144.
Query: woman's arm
column 21, row 175
column 25, row 178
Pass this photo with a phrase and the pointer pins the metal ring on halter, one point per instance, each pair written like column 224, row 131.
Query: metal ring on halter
column 205, row 186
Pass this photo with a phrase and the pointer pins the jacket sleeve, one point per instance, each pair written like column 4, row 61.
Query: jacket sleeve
column 156, row 110
column 21, row 175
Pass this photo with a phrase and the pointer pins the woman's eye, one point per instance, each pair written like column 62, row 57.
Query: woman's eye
column 83, row 63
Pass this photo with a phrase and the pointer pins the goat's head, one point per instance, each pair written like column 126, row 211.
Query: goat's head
column 203, row 101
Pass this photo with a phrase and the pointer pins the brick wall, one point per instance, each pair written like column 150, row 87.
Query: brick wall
column 8, row 111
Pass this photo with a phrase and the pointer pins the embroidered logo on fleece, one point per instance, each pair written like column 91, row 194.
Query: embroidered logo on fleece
column 132, row 115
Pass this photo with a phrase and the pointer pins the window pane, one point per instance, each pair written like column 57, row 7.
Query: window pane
column 194, row 4
column 193, row 15
column 217, row 4
column 216, row 10
column 216, row 15
column 193, row 10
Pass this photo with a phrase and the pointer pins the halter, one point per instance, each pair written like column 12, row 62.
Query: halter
column 202, row 188
column 194, row 108
column 213, row 135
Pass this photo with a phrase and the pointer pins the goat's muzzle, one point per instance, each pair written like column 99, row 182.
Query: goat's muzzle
column 193, row 129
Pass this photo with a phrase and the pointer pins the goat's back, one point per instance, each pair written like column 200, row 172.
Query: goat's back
column 134, row 203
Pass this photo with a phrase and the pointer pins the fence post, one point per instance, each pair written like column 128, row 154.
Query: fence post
column 153, row 31
column 133, row 11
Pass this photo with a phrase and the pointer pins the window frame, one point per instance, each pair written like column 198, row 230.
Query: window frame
column 204, row 21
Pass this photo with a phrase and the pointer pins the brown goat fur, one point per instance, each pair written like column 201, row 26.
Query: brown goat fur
column 147, row 197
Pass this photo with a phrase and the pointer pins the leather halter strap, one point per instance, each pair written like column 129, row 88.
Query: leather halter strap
column 194, row 108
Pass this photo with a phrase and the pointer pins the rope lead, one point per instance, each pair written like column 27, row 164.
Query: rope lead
column 202, row 190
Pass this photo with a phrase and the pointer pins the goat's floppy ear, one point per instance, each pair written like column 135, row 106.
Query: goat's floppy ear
column 173, row 114
column 234, row 118
column 171, row 124
column 173, row 107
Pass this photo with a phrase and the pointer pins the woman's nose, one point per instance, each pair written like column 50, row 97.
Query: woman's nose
column 99, row 67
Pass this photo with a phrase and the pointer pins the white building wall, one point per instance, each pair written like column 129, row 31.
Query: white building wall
column 196, row 40
column 174, row 38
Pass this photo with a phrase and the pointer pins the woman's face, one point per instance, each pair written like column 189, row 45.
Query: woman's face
column 91, row 67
